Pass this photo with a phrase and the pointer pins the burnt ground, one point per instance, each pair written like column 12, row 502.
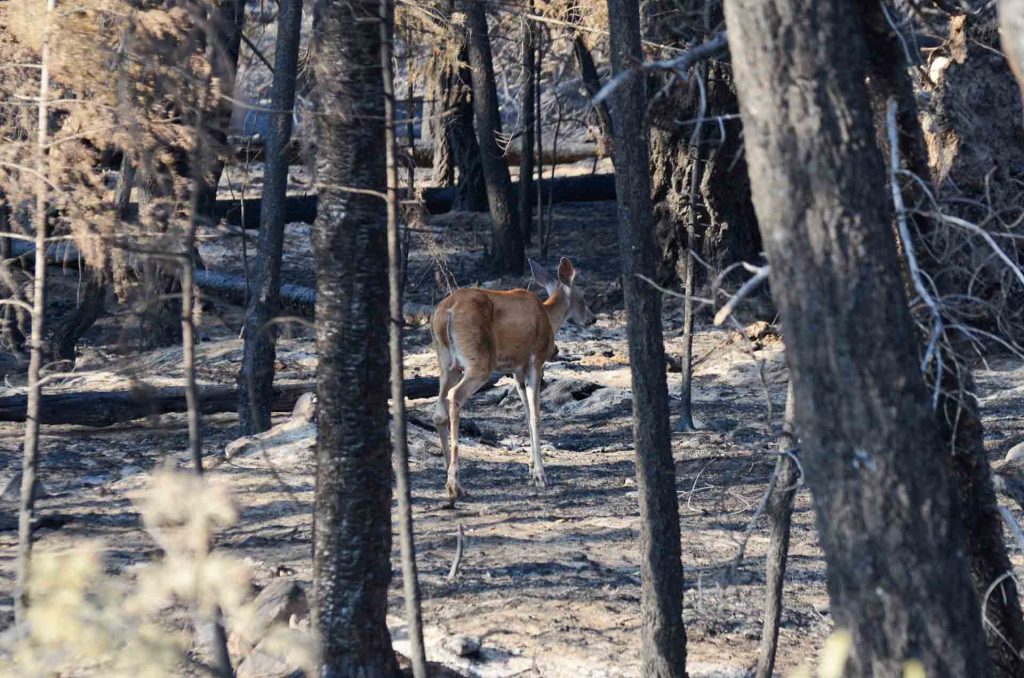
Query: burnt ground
column 549, row 577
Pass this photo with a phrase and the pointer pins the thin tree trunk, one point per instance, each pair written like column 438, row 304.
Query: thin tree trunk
column 228, row 23
column 400, row 443
column 470, row 191
column 663, row 649
column 507, row 254
column 688, row 260
column 256, row 375
column 30, row 461
column 886, row 509
column 352, row 503
column 779, row 510
column 527, row 108
column 591, row 78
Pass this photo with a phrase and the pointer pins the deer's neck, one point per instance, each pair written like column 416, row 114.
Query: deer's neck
column 557, row 307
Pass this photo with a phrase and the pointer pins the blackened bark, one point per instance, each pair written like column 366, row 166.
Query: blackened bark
column 886, row 509
column 87, row 311
column 526, row 196
column 663, row 649
column 726, row 225
column 256, row 375
column 983, row 526
column 470, row 191
column 779, row 510
column 959, row 419
column 507, row 254
column 352, row 505
column 591, row 79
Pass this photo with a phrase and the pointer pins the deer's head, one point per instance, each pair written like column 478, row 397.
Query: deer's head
column 565, row 284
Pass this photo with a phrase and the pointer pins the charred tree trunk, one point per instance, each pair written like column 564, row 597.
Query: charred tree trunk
column 663, row 649
column 470, row 190
column 88, row 310
column 977, row 158
column 959, row 420
column 527, row 123
column 256, row 375
column 779, row 510
column 726, row 223
column 591, row 80
column 886, row 508
column 983, row 526
column 352, row 504
column 507, row 254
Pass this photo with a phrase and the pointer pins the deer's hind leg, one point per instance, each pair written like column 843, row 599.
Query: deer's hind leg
column 533, row 380
column 470, row 383
column 448, row 377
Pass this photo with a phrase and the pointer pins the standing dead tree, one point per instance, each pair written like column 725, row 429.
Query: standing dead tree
column 779, row 509
column 663, row 649
column 897, row 576
column 507, row 253
column 256, row 374
column 30, row 459
column 352, row 502
column 400, row 443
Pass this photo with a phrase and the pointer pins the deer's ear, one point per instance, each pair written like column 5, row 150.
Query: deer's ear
column 541, row 275
column 566, row 272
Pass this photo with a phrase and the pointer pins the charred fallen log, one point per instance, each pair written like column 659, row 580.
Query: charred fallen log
column 104, row 408
column 589, row 188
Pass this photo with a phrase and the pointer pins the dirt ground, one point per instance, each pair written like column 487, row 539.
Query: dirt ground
column 549, row 577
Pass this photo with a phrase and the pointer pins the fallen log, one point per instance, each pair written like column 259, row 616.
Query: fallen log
column 231, row 288
column 588, row 188
column 296, row 299
column 104, row 408
column 250, row 150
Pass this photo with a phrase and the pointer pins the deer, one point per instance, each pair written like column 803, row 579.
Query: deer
column 477, row 332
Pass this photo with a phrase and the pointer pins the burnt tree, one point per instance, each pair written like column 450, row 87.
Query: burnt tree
column 726, row 226
column 885, row 505
column 352, row 502
column 663, row 649
column 256, row 374
column 507, row 254
column 959, row 420
column 525, row 194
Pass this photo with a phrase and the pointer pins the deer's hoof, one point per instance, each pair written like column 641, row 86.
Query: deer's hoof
column 453, row 491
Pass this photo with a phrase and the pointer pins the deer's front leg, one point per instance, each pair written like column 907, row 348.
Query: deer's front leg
column 533, row 379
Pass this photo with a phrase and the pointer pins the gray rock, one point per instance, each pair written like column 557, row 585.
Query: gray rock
column 559, row 393
column 1015, row 455
column 276, row 604
column 305, row 408
column 463, row 645
column 11, row 485
column 606, row 402
column 287, row 654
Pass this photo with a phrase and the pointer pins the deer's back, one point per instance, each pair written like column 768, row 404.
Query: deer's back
column 503, row 330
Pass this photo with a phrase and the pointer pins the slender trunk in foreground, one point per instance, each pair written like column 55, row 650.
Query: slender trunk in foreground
column 400, row 443
column 663, row 649
column 30, row 462
column 779, row 510
column 256, row 375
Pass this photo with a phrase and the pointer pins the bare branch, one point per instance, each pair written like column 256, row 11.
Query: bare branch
column 679, row 65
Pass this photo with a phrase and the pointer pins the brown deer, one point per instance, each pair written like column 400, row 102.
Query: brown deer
column 477, row 332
